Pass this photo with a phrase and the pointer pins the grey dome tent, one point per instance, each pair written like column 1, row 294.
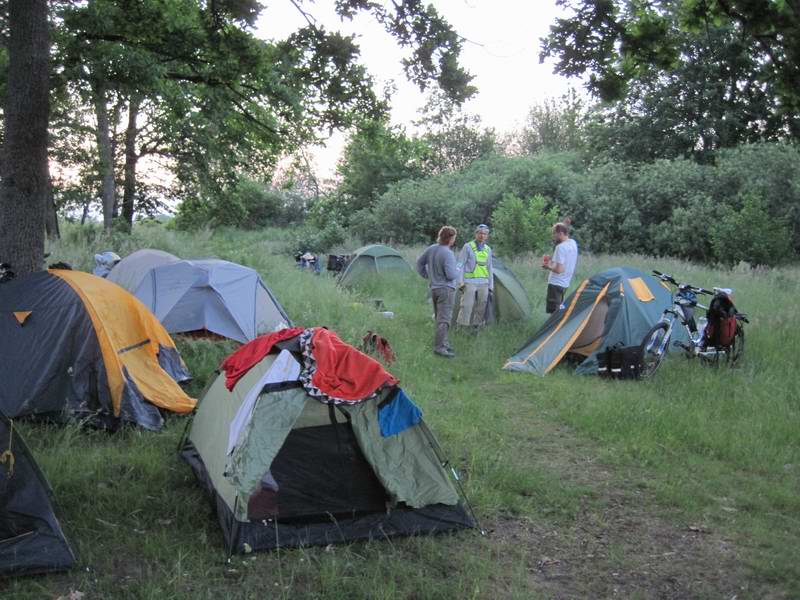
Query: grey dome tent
column 509, row 299
column 615, row 307
column 211, row 295
column 372, row 260
column 284, row 469
column 31, row 539
column 130, row 271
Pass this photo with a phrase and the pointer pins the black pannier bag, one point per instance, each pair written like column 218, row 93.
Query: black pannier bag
column 620, row 362
column 337, row 262
column 721, row 327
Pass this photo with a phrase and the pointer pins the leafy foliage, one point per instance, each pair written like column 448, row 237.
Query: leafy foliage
column 684, row 77
column 376, row 156
column 666, row 208
column 750, row 235
column 521, row 226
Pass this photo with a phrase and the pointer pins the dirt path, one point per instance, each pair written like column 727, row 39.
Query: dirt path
column 620, row 544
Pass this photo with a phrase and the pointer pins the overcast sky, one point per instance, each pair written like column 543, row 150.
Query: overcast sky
column 502, row 52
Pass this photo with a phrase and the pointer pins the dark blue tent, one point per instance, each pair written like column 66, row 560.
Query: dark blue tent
column 31, row 540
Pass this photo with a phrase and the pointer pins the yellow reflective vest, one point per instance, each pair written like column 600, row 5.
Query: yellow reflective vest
column 482, row 262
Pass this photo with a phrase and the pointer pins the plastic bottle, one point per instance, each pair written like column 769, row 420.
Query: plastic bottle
column 388, row 314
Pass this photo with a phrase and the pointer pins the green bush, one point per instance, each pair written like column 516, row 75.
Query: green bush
column 522, row 226
column 751, row 235
column 317, row 241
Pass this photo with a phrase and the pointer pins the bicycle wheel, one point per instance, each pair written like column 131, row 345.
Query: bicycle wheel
column 654, row 348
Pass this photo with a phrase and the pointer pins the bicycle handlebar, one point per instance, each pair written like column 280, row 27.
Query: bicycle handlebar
column 673, row 281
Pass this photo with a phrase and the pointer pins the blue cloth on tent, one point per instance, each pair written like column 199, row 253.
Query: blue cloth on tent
column 398, row 415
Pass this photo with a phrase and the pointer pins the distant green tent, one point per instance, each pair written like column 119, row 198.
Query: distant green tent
column 372, row 260
column 509, row 299
column 614, row 307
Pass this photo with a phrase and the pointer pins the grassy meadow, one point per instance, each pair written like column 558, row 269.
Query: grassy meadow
column 684, row 486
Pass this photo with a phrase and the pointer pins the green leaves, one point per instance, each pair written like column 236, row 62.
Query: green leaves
column 521, row 226
column 735, row 62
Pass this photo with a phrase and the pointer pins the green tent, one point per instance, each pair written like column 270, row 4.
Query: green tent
column 615, row 307
column 375, row 259
column 286, row 469
column 509, row 299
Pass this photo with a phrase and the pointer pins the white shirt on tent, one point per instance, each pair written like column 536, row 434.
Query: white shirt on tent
column 285, row 368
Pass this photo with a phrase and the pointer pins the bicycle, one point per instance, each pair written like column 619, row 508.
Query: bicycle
column 684, row 302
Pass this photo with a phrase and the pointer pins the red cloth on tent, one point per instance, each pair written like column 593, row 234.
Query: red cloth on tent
column 241, row 361
column 344, row 372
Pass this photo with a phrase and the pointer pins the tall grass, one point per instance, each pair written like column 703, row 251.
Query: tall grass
column 715, row 447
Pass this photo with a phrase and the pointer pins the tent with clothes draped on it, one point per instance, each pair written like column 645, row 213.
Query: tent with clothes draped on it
column 614, row 308
column 211, row 295
column 369, row 262
column 73, row 345
column 31, row 539
column 304, row 440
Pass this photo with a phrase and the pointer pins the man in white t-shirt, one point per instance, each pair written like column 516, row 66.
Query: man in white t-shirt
column 561, row 267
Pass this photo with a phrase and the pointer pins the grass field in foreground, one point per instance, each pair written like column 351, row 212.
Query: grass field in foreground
column 684, row 486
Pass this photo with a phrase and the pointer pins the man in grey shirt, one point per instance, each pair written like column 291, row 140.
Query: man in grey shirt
column 438, row 265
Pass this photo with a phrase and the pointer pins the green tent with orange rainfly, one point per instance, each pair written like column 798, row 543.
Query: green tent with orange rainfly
column 614, row 308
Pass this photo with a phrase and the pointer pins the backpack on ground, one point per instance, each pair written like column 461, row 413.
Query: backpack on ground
column 721, row 327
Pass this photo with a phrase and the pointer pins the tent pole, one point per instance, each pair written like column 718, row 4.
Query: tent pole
column 437, row 450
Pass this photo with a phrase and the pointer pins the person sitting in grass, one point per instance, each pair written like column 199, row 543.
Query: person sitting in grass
column 438, row 265
column 475, row 261
column 561, row 267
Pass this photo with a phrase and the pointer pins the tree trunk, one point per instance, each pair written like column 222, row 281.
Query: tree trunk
column 25, row 176
column 131, row 158
column 106, row 154
column 50, row 214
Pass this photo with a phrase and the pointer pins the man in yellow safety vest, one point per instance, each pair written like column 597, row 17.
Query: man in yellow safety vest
column 475, row 260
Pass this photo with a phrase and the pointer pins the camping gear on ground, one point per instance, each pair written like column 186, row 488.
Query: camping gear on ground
column 308, row 261
column 104, row 262
column 75, row 345
column 212, row 295
column 370, row 261
column 337, row 262
column 31, row 539
column 130, row 271
column 620, row 362
column 508, row 301
column 377, row 345
column 291, row 460
column 617, row 306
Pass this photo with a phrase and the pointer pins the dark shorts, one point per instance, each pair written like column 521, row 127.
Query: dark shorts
column 555, row 296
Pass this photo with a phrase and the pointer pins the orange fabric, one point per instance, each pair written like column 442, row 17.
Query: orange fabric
column 578, row 331
column 640, row 289
column 241, row 361
column 344, row 372
column 124, row 326
column 22, row 316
